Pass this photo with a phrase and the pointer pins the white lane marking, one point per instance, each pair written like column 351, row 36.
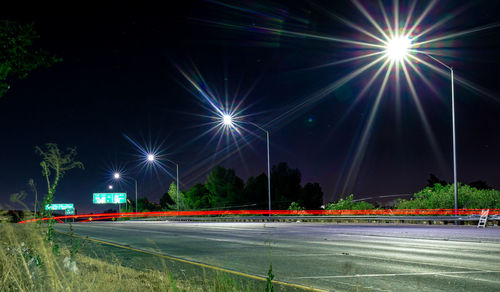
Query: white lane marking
column 400, row 251
column 471, row 278
column 395, row 275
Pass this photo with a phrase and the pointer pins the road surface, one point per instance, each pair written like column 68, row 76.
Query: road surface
column 333, row 257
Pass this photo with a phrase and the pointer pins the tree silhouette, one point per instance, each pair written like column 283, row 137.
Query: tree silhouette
column 311, row 196
column 433, row 179
column 255, row 191
column 198, row 197
column 224, row 187
column 480, row 185
column 285, row 185
column 166, row 201
column 17, row 57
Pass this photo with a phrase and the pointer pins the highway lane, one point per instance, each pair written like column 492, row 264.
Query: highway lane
column 335, row 257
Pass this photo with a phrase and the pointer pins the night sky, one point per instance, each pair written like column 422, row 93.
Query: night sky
column 121, row 76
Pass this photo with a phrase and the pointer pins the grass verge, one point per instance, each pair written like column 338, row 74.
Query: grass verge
column 29, row 263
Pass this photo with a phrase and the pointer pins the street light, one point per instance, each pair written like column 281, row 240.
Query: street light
column 397, row 49
column 227, row 120
column 453, row 129
column 151, row 158
column 117, row 176
column 110, row 187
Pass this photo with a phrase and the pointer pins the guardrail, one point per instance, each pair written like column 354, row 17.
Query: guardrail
column 495, row 219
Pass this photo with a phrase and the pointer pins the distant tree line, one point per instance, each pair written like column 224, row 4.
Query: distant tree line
column 440, row 194
column 478, row 184
column 223, row 189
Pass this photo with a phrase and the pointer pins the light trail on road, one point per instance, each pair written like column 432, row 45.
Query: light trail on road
column 386, row 212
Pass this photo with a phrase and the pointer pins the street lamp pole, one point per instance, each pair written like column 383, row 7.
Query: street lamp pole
column 453, row 129
column 227, row 121
column 268, row 166
column 177, row 181
column 268, row 175
column 135, row 195
column 177, row 169
column 117, row 176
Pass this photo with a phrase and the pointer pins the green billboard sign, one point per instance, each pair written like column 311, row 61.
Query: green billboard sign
column 110, row 198
column 69, row 211
column 55, row 207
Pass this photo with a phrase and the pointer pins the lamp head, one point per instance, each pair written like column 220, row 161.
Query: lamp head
column 116, row 175
column 151, row 157
column 397, row 48
column 227, row 120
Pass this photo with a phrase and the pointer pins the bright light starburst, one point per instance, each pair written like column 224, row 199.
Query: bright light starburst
column 398, row 47
column 227, row 119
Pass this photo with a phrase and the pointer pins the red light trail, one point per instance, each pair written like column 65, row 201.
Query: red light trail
column 387, row 212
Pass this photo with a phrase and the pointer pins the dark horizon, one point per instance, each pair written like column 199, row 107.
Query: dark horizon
column 121, row 75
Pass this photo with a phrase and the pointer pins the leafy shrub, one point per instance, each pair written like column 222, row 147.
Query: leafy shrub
column 295, row 206
column 442, row 197
column 349, row 204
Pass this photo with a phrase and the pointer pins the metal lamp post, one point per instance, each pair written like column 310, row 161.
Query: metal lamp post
column 152, row 158
column 177, row 181
column 453, row 130
column 227, row 120
column 397, row 49
column 268, row 165
column 117, row 176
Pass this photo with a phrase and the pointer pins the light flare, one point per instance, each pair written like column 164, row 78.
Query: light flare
column 403, row 39
column 398, row 47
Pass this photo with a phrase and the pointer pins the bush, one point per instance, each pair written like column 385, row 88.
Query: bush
column 349, row 204
column 295, row 206
column 442, row 197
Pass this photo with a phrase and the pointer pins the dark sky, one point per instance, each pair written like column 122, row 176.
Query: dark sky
column 120, row 77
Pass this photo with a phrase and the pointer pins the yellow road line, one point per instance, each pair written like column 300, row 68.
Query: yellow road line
column 196, row 263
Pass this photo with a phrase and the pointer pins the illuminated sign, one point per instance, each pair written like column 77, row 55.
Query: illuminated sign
column 54, row 207
column 110, row 198
column 69, row 211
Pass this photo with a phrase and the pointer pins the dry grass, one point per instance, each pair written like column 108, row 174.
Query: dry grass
column 29, row 263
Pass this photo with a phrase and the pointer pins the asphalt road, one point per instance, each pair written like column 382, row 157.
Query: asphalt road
column 334, row 257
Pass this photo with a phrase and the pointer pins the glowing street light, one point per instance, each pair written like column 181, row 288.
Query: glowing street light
column 151, row 158
column 397, row 48
column 118, row 176
column 110, row 187
column 227, row 120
